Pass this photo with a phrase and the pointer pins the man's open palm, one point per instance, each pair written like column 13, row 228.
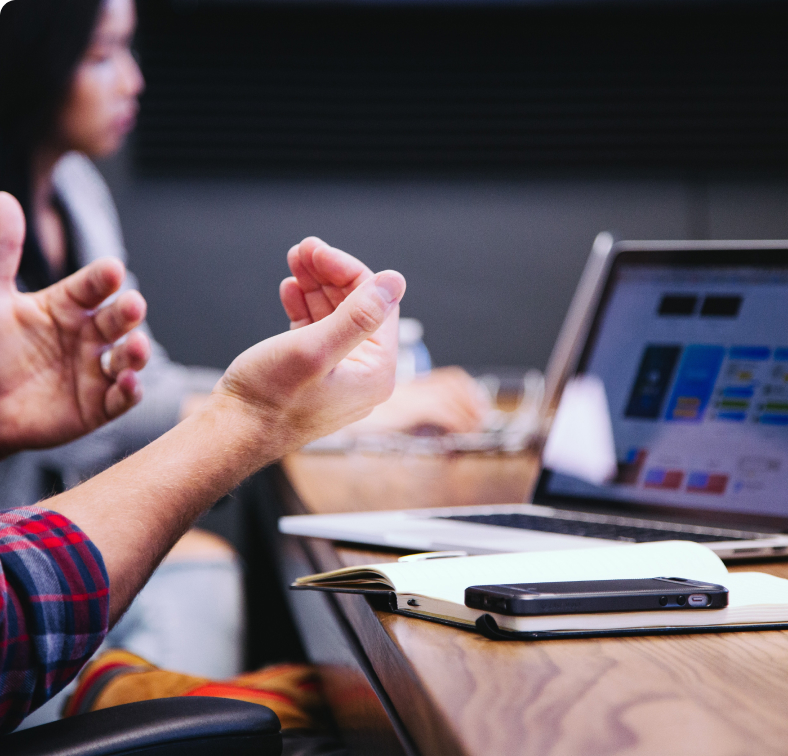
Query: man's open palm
column 52, row 385
column 339, row 358
column 325, row 280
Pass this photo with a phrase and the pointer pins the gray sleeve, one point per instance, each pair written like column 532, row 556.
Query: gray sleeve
column 97, row 233
column 165, row 385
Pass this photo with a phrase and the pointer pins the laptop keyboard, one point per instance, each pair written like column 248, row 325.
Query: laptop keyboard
column 607, row 528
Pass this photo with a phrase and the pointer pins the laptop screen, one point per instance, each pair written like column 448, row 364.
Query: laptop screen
column 693, row 353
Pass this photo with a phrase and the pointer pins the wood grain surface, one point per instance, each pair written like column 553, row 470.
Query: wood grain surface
column 700, row 694
column 456, row 692
column 357, row 482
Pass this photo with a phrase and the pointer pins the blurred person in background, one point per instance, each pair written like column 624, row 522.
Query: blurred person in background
column 69, row 89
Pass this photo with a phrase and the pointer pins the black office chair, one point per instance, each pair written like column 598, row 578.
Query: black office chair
column 188, row 726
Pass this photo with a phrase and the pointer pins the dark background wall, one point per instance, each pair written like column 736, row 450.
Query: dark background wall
column 476, row 150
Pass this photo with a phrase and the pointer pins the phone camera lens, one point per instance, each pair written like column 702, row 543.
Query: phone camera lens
column 681, row 600
column 663, row 600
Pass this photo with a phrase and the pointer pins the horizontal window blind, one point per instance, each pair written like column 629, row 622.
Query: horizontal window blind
column 258, row 89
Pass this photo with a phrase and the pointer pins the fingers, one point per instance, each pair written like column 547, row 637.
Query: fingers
column 12, row 237
column 123, row 394
column 325, row 275
column 336, row 268
column 446, row 399
column 132, row 354
column 300, row 263
column 463, row 395
column 121, row 316
column 293, row 301
column 125, row 360
column 90, row 286
column 456, row 384
column 358, row 318
column 323, row 265
column 462, row 414
column 305, row 279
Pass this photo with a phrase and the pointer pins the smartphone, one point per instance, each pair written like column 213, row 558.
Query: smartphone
column 590, row 596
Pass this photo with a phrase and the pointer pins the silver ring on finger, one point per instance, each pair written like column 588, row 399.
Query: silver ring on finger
column 106, row 364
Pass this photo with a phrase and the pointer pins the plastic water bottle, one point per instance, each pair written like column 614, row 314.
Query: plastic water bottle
column 412, row 358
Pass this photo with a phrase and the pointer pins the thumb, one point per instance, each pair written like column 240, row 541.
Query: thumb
column 358, row 317
column 12, row 237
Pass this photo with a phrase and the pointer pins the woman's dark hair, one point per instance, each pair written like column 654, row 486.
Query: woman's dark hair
column 41, row 43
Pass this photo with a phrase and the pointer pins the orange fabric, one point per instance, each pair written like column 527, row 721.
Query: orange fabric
column 292, row 691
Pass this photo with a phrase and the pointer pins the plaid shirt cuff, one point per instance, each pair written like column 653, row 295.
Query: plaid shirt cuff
column 54, row 608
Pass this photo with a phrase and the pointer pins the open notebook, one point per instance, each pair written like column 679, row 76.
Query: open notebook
column 434, row 589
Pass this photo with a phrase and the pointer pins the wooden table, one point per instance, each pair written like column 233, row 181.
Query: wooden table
column 414, row 687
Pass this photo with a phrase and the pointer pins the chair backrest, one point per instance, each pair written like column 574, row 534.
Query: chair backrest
column 187, row 726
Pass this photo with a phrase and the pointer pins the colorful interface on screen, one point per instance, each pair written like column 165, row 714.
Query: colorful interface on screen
column 695, row 367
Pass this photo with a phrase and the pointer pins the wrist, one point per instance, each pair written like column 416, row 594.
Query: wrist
column 240, row 435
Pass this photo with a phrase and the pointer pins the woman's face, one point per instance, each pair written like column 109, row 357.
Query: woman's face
column 101, row 107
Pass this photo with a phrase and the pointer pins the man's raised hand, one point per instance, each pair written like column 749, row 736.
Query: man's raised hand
column 335, row 365
column 52, row 384
column 322, row 277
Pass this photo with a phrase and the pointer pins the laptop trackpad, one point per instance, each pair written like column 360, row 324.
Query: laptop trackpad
column 432, row 535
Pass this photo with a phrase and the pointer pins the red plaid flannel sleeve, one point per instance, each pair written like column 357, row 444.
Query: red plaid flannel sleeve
column 54, row 608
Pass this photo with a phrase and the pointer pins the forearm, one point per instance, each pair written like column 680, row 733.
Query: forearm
column 275, row 397
column 135, row 511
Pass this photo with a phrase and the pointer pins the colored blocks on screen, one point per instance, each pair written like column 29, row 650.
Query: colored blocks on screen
column 733, row 404
column 697, row 375
column 721, row 306
column 750, row 353
column 738, row 392
column 629, row 469
column 732, row 417
column 678, row 304
column 686, row 408
column 710, row 483
column 659, row 478
column 773, row 419
column 651, row 384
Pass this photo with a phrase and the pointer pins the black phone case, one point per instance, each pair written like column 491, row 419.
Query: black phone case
column 594, row 596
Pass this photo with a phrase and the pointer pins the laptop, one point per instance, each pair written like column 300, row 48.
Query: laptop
column 690, row 342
